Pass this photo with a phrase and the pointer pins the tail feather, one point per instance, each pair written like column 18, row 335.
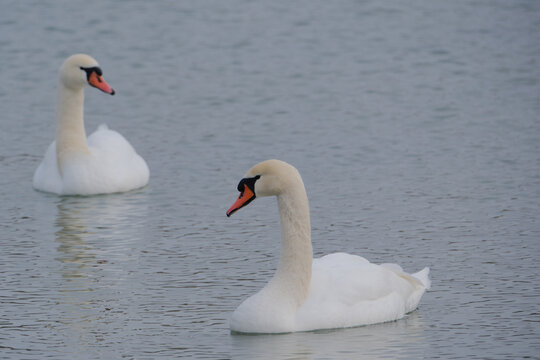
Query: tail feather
column 423, row 277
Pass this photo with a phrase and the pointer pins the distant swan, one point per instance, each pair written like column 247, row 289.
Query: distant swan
column 336, row 291
column 74, row 165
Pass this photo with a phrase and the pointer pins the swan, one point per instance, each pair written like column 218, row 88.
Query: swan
column 335, row 291
column 74, row 165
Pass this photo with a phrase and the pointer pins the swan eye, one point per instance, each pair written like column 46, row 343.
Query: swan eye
column 249, row 182
column 240, row 186
column 90, row 70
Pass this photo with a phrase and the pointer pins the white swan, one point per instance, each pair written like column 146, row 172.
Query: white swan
column 336, row 291
column 74, row 165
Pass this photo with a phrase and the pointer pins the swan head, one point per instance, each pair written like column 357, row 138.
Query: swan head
column 268, row 178
column 80, row 70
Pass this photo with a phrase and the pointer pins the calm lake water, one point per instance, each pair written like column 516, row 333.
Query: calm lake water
column 416, row 127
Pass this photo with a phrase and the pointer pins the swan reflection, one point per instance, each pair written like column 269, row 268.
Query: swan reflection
column 380, row 341
column 95, row 237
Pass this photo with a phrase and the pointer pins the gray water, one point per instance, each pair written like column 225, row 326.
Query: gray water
column 415, row 125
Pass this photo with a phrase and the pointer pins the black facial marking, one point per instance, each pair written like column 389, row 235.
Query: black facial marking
column 250, row 182
column 92, row 69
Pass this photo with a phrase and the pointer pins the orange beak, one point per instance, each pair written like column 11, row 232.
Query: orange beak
column 97, row 81
column 245, row 198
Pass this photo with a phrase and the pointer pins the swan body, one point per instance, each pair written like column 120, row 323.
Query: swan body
column 335, row 291
column 105, row 162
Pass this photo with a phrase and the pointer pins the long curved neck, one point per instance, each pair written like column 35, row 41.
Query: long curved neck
column 293, row 274
column 70, row 133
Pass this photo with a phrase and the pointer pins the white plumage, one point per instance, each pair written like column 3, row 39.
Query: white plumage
column 74, row 165
column 335, row 291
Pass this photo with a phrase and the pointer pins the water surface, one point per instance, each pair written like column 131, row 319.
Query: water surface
column 415, row 127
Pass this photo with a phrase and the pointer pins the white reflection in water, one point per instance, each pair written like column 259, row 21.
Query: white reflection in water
column 94, row 249
column 381, row 341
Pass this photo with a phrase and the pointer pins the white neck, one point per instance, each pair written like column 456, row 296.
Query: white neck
column 293, row 275
column 70, row 133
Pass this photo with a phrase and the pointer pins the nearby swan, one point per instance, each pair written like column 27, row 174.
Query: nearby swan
column 73, row 165
column 335, row 291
